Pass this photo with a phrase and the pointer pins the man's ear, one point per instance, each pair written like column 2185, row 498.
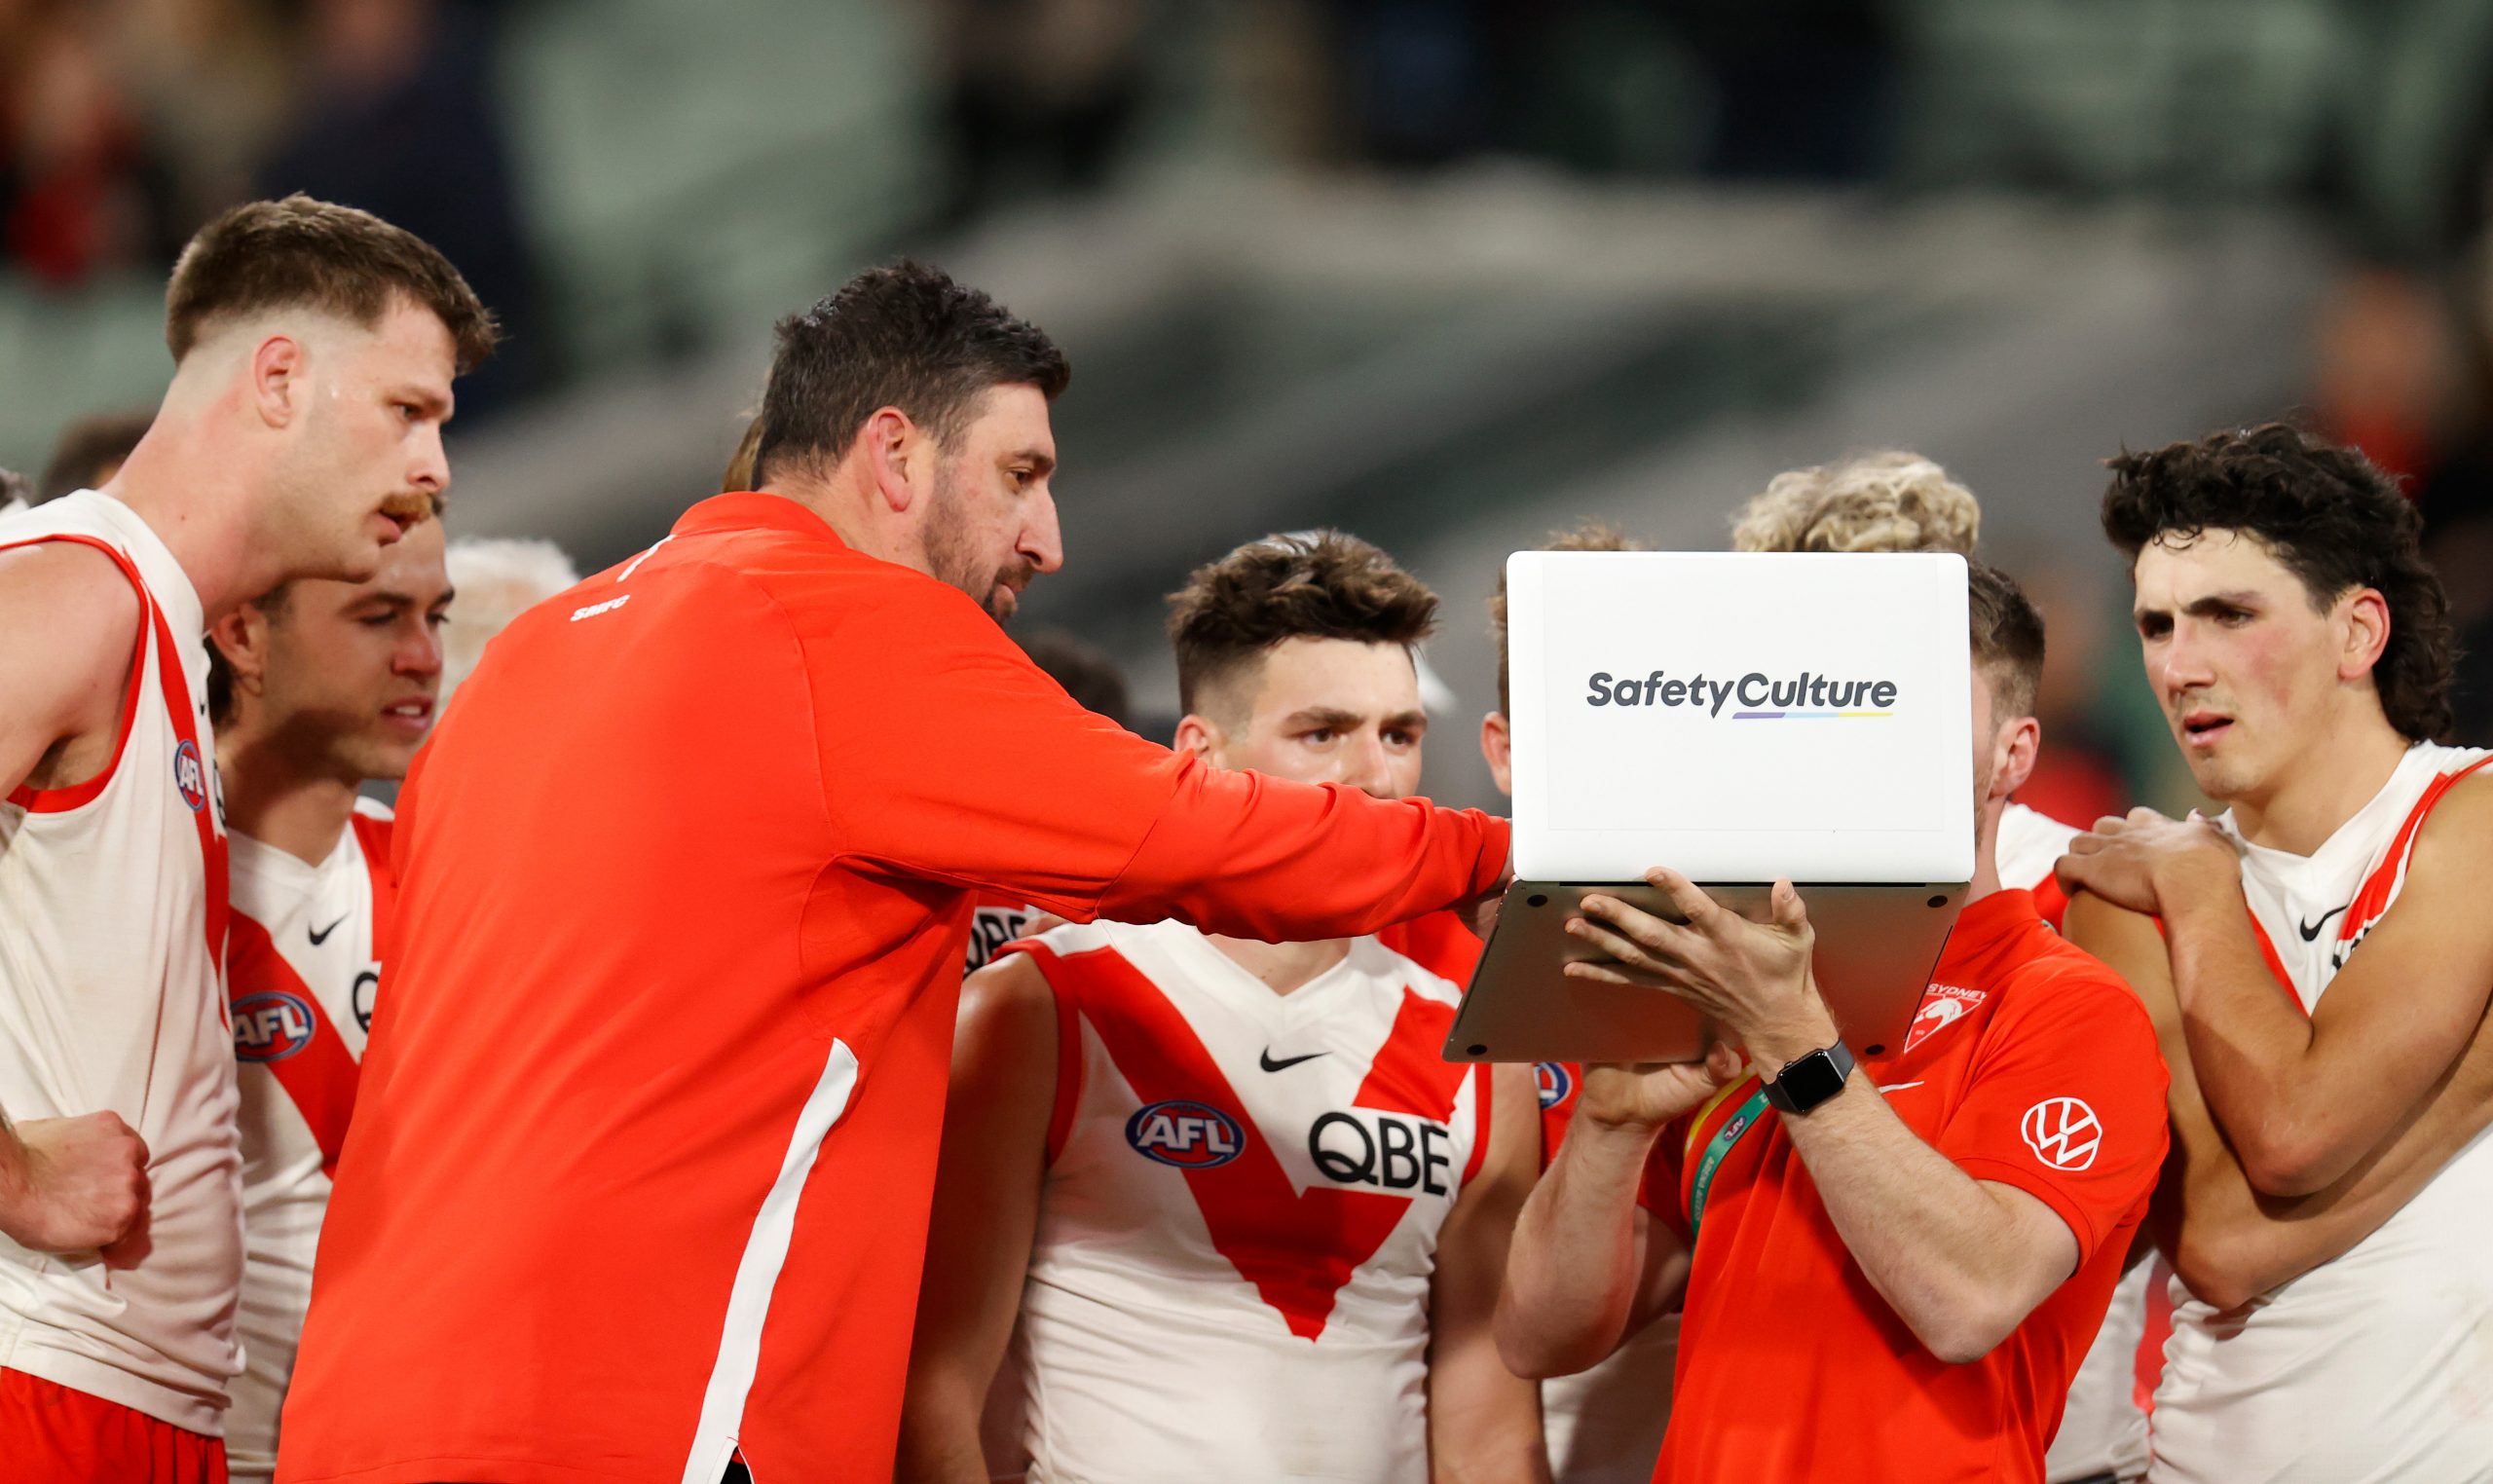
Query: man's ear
column 900, row 456
column 1498, row 749
column 241, row 640
column 278, row 387
column 2364, row 615
column 1198, row 736
column 2015, row 751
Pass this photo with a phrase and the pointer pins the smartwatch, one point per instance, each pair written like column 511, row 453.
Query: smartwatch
column 1809, row 1081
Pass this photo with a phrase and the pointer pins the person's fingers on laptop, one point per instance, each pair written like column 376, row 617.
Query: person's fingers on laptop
column 1612, row 941
column 1655, row 935
column 1685, row 897
column 1791, row 913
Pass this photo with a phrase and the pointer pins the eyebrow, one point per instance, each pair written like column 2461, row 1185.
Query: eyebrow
column 2203, row 607
column 400, row 598
column 1324, row 716
column 1037, row 458
column 432, row 403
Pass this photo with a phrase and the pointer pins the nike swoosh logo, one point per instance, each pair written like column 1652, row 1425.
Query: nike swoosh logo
column 1267, row 1063
column 321, row 934
column 2311, row 930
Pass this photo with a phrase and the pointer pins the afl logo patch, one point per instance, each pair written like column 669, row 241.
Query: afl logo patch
column 271, row 1025
column 1190, row 1135
column 1553, row 1082
column 190, row 776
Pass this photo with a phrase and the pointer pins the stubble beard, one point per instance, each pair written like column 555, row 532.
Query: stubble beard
column 950, row 556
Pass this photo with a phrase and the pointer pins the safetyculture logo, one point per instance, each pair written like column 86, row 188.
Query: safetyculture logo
column 2063, row 1132
column 1761, row 696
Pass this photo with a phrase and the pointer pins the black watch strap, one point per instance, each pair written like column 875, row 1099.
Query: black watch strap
column 1809, row 1081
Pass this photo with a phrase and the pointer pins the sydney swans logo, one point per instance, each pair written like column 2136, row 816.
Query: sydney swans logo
column 1761, row 698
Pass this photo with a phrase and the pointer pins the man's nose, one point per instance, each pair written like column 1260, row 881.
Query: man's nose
column 431, row 470
column 420, row 649
column 1042, row 543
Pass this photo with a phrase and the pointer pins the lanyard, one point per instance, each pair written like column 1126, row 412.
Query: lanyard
column 1701, row 1183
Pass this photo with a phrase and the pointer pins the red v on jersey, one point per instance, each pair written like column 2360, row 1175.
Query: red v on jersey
column 320, row 1073
column 1296, row 1247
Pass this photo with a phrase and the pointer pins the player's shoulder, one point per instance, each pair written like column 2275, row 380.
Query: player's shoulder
column 2049, row 977
column 1408, row 967
column 67, row 582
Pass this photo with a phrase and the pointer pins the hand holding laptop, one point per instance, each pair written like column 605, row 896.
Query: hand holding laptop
column 1752, row 978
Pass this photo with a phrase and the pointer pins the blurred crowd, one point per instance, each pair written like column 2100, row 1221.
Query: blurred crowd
column 125, row 124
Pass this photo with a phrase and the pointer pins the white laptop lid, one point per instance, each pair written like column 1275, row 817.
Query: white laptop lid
column 1740, row 717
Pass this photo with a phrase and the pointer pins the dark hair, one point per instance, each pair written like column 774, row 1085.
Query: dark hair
column 2327, row 513
column 90, row 447
column 905, row 336
column 300, row 253
column 1589, row 536
column 1311, row 584
column 2006, row 633
column 1083, row 669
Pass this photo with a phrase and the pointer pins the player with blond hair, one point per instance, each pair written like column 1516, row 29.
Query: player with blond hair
column 497, row 578
column 1897, row 500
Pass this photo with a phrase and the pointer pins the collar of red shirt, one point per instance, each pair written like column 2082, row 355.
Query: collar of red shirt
column 753, row 510
column 1981, row 926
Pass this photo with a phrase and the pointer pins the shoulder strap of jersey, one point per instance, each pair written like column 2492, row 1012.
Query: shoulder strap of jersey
column 1063, row 977
column 177, row 708
column 2383, row 883
column 61, row 800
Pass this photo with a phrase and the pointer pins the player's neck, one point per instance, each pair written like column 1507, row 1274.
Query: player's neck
column 2313, row 797
column 1986, row 879
column 195, row 504
column 280, row 804
column 1284, row 966
column 853, row 512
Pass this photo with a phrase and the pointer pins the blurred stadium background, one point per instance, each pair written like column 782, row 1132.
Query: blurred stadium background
column 1447, row 273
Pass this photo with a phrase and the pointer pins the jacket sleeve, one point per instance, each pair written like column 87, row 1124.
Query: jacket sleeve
column 947, row 754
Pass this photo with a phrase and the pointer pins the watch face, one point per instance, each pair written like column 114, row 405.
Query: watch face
column 1810, row 1081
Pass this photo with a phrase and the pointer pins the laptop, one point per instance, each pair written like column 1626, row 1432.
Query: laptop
column 1739, row 717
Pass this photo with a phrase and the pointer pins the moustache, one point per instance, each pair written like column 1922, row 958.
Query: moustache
column 409, row 507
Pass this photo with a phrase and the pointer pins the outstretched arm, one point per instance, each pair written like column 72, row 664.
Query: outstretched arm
column 2229, row 1241
column 984, row 1214
column 981, row 771
column 1484, row 1421
column 2304, row 1099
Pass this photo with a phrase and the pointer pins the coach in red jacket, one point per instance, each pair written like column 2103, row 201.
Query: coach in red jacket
column 638, row 1179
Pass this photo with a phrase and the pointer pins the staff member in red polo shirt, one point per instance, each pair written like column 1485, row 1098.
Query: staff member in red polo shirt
column 637, row 1178
column 1891, row 1267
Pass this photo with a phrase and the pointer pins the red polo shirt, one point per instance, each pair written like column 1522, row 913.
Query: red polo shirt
column 2032, row 1066
column 639, row 1171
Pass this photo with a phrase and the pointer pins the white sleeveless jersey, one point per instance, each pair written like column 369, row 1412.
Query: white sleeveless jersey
column 113, row 893
column 2103, row 1430
column 1230, row 1276
column 2377, row 1366
column 2029, row 842
column 308, row 946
